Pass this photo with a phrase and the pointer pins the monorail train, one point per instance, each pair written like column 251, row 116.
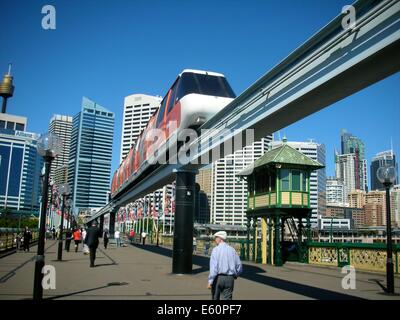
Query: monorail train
column 194, row 98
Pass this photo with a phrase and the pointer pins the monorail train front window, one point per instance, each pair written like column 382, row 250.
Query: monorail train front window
column 204, row 84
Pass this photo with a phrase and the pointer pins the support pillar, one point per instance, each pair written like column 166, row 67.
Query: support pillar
column 102, row 224
column 269, row 252
column 264, row 241
column 255, row 239
column 112, row 224
column 308, row 228
column 300, row 237
column 183, row 224
column 248, row 239
column 277, row 249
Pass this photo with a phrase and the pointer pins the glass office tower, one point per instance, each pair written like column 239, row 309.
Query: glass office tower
column 89, row 166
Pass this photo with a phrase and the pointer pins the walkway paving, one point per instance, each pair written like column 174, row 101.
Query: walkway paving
column 137, row 272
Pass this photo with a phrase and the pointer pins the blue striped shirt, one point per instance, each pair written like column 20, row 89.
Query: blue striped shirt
column 224, row 260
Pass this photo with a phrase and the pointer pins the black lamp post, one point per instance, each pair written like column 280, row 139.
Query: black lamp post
column 64, row 191
column 387, row 175
column 48, row 146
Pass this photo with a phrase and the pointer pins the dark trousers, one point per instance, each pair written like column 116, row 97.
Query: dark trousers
column 26, row 245
column 105, row 244
column 222, row 284
column 92, row 255
column 67, row 244
column 76, row 245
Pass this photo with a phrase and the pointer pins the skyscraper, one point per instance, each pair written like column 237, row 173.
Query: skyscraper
column 316, row 152
column 395, row 205
column 350, row 144
column 204, row 179
column 229, row 194
column 356, row 199
column 138, row 109
column 387, row 158
column 20, row 165
column 375, row 208
column 61, row 126
column 346, row 168
column 89, row 166
column 335, row 192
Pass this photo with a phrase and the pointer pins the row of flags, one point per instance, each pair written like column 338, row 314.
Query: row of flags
column 55, row 200
column 149, row 207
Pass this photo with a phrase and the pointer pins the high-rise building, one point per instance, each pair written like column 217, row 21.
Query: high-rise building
column 395, row 205
column 350, row 144
column 373, row 215
column 62, row 127
column 89, row 166
column 356, row 199
column 12, row 122
column 375, row 208
column 335, row 192
column 138, row 108
column 385, row 158
column 204, row 179
column 229, row 194
column 316, row 152
column 20, row 165
column 346, row 168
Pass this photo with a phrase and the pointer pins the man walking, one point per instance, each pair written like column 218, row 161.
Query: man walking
column 27, row 238
column 105, row 239
column 92, row 240
column 225, row 267
column 68, row 238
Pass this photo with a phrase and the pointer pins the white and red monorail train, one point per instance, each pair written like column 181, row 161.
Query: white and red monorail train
column 193, row 99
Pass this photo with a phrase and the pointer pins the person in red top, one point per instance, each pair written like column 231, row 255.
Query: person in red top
column 132, row 235
column 77, row 238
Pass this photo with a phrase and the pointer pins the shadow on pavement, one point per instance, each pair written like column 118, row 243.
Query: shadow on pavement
column 87, row 290
column 254, row 273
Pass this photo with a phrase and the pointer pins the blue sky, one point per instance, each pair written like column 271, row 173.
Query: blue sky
column 106, row 50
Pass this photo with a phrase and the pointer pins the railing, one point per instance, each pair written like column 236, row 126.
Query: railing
column 362, row 256
column 240, row 245
column 10, row 238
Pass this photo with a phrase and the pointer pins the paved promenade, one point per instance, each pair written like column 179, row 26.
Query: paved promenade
column 137, row 272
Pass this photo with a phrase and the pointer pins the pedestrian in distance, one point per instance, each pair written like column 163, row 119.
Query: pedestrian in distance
column 83, row 232
column 92, row 240
column 53, row 232
column 105, row 239
column 132, row 235
column 194, row 245
column 144, row 235
column 225, row 267
column 207, row 245
column 117, row 237
column 27, row 239
column 77, row 238
column 68, row 238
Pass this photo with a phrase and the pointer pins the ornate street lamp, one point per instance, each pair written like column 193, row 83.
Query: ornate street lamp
column 65, row 192
column 48, row 146
column 387, row 176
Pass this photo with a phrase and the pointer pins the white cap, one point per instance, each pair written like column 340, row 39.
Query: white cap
column 221, row 234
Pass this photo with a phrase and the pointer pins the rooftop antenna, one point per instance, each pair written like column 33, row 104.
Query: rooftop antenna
column 6, row 88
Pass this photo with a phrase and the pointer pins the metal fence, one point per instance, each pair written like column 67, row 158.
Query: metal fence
column 10, row 238
column 362, row 256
